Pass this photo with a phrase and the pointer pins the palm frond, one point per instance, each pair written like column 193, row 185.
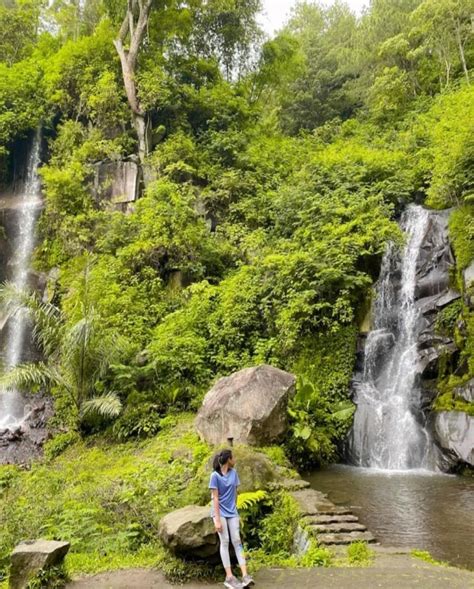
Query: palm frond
column 48, row 319
column 108, row 405
column 27, row 376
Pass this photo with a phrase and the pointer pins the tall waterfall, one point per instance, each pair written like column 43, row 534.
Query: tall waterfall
column 387, row 433
column 11, row 403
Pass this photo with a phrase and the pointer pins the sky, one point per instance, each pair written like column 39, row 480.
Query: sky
column 275, row 12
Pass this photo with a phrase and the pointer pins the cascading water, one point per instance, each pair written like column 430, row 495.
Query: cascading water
column 11, row 403
column 387, row 433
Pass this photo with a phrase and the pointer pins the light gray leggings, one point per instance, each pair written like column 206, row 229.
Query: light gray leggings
column 230, row 528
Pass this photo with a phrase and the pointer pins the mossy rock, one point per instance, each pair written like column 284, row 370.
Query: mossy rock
column 256, row 471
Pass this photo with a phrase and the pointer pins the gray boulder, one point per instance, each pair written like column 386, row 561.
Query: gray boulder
column 248, row 406
column 455, row 433
column 189, row 532
column 29, row 558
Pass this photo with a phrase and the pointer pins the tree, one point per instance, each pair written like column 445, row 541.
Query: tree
column 77, row 356
column 134, row 26
column 19, row 26
column 445, row 26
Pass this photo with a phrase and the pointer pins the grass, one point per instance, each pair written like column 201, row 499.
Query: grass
column 426, row 557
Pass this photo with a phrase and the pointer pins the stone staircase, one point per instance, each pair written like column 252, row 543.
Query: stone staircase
column 328, row 523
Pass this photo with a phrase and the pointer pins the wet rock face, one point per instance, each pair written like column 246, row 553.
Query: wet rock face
column 249, row 406
column 455, row 433
column 24, row 443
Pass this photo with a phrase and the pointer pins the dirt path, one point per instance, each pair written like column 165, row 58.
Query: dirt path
column 391, row 571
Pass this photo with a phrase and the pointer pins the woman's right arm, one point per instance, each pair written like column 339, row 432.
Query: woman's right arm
column 217, row 513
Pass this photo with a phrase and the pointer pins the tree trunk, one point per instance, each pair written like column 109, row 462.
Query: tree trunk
column 128, row 61
column 461, row 53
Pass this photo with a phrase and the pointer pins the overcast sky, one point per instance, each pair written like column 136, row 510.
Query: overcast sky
column 276, row 11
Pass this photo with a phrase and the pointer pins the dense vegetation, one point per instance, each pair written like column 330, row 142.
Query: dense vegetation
column 274, row 171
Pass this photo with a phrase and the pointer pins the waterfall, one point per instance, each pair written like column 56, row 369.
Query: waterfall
column 11, row 403
column 388, row 432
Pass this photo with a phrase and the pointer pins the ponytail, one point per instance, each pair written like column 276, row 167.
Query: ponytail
column 220, row 459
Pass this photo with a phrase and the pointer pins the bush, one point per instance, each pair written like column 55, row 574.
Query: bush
column 359, row 553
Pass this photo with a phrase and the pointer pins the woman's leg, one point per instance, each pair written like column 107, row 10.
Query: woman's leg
column 224, row 547
column 234, row 532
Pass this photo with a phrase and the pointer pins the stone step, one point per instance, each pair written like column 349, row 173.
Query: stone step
column 334, row 511
column 338, row 528
column 328, row 539
column 330, row 519
column 310, row 501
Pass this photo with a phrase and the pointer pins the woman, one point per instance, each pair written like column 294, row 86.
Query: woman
column 223, row 484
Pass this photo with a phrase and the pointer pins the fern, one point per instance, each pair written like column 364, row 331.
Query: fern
column 247, row 500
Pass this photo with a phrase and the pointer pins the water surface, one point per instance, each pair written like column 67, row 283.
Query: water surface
column 420, row 510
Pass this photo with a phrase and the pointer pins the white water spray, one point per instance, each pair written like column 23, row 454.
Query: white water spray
column 11, row 402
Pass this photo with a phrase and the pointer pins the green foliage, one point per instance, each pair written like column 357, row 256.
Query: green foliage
column 461, row 230
column 448, row 401
column 446, row 319
column 452, row 148
column 78, row 354
column 426, row 557
column 358, row 553
column 252, row 508
column 278, row 529
column 105, row 499
column 54, row 577
column 57, row 445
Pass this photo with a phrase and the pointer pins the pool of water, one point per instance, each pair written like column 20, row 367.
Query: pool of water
column 419, row 510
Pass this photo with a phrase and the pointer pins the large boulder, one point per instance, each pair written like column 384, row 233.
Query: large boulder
column 190, row 532
column 249, row 406
column 455, row 433
column 30, row 558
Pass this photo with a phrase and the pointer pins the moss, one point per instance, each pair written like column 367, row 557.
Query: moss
column 461, row 230
column 449, row 402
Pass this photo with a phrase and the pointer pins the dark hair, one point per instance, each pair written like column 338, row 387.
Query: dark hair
column 221, row 459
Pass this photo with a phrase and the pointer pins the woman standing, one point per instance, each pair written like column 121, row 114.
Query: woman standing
column 223, row 484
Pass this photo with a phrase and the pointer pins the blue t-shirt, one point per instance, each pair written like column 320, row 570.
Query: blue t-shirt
column 226, row 485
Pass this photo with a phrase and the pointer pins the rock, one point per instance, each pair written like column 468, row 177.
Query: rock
column 429, row 359
column 256, row 470
column 455, row 433
column 117, row 181
column 312, row 502
column 468, row 276
column 339, row 527
column 190, row 532
column 314, row 520
column 248, row 406
column 29, row 558
column 447, row 298
column 328, row 539
column 466, row 391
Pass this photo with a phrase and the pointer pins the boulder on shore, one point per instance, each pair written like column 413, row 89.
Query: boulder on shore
column 29, row 558
column 190, row 532
column 248, row 406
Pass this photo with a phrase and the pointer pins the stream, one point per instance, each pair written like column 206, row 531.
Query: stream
column 415, row 509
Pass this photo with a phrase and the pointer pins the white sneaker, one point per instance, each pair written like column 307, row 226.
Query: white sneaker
column 233, row 583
